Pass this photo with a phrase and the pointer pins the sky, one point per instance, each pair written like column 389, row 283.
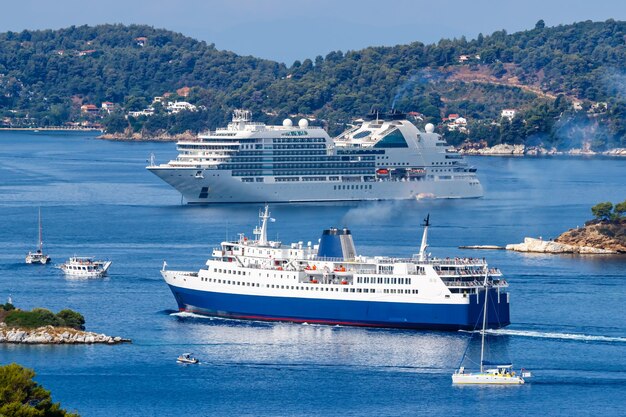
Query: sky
column 289, row 30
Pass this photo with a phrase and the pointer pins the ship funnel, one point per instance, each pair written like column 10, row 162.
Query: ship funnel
column 337, row 243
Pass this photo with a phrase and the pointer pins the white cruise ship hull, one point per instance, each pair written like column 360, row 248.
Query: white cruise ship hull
column 218, row 186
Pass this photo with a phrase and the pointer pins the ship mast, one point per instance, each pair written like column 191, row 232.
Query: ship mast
column 261, row 233
column 482, row 342
column 424, row 244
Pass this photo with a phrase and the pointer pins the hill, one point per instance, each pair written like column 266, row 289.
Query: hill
column 566, row 83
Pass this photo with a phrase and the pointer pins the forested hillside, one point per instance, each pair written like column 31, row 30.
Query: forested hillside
column 566, row 83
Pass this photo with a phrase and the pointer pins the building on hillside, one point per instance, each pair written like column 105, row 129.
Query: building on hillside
column 183, row 92
column 177, row 106
column 577, row 105
column 457, row 124
column 508, row 114
column 145, row 112
column 107, row 106
column 463, row 58
column 141, row 41
column 89, row 109
column 87, row 52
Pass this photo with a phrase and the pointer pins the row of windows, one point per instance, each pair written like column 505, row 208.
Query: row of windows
column 322, row 172
column 301, row 140
column 308, row 288
column 298, row 146
column 353, row 187
column 383, row 280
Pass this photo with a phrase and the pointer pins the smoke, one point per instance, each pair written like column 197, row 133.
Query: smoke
column 421, row 77
column 579, row 133
column 614, row 80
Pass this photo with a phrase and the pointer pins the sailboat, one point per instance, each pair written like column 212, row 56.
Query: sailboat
column 496, row 374
column 38, row 257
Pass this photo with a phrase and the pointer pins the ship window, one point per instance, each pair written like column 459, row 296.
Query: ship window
column 408, row 281
column 358, row 290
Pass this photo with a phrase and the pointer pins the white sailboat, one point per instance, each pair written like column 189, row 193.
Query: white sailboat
column 38, row 257
column 497, row 374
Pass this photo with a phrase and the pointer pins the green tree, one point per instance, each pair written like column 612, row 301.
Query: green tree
column 602, row 211
column 20, row 396
column 620, row 209
column 72, row 319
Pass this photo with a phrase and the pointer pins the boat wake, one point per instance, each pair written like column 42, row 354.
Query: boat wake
column 561, row 336
column 186, row 314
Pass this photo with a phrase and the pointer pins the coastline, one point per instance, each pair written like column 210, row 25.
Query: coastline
column 49, row 335
column 51, row 129
column 140, row 137
column 522, row 150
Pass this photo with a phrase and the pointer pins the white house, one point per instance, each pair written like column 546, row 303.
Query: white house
column 177, row 106
column 508, row 113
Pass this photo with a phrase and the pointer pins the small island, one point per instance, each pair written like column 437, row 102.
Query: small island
column 42, row 326
column 604, row 235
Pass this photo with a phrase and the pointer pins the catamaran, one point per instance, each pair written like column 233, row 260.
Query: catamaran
column 495, row 374
column 38, row 257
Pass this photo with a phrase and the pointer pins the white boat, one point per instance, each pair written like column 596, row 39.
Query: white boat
column 85, row 267
column 187, row 358
column 38, row 257
column 383, row 157
column 497, row 374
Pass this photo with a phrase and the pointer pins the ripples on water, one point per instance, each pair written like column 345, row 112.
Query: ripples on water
column 96, row 198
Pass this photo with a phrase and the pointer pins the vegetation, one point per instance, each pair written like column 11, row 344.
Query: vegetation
column 23, row 397
column 606, row 211
column 46, row 75
column 39, row 317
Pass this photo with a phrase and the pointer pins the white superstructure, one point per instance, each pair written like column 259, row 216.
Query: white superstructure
column 379, row 159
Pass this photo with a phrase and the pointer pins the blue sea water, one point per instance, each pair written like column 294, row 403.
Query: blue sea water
column 568, row 312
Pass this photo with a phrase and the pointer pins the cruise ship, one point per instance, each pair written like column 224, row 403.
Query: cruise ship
column 381, row 158
column 329, row 283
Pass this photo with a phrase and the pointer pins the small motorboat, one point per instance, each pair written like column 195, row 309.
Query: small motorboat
column 187, row 358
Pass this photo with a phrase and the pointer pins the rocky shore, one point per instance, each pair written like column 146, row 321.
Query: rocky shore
column 549, row 246
column 596, row 238
column 522, row 150
column 142, row 137
column 55, row 336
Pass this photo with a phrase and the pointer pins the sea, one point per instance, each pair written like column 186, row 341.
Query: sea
column 568, row 312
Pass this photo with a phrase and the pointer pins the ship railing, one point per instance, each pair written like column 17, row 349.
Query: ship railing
column 475, row 283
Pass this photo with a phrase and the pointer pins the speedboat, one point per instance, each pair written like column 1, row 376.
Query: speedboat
column 187, row 358
column 85, row 267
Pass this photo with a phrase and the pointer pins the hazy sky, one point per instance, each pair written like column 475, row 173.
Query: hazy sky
column 286, row 30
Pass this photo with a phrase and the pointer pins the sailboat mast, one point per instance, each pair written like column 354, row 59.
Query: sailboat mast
column 40, row 237
column 482, row 342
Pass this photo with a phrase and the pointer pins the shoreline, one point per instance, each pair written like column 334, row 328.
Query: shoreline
column 535, row 151
column 51, row 129
column 50, row 335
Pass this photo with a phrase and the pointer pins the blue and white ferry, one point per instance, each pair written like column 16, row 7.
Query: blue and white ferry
column 328, row 283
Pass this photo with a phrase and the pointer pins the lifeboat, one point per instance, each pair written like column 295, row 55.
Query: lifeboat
column 313, row 281
column 382, row 171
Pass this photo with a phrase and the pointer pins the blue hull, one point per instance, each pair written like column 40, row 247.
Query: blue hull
column 352, row 313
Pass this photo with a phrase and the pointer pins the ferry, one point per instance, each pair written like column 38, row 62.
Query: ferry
column 383, row 157
column 85, row 267
column 328, row 283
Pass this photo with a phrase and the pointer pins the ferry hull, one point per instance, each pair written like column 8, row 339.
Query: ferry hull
column 345, row 312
